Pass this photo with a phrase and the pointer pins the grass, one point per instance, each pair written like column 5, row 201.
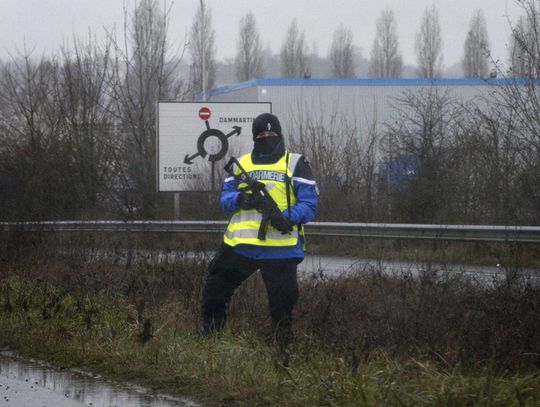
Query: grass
column 366, row 339
column 238, row 367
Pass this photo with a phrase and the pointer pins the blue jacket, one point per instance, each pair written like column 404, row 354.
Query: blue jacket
column 302, row 212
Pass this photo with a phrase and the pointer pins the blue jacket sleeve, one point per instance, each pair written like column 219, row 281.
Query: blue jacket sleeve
column 306, row 192
column 305, row 208
column 228, row 200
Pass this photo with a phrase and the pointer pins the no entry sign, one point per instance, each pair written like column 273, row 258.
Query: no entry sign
column 193, row 136
column 204, row 113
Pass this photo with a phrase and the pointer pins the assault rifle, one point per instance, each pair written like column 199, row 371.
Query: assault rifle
column 265, row 204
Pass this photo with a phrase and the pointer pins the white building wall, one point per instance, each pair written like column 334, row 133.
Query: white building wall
column 357, row 105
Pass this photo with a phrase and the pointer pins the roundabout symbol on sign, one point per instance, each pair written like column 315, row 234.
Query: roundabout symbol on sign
column 204, row 114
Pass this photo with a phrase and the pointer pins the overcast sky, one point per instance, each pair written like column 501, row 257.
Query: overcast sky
column 43, row 24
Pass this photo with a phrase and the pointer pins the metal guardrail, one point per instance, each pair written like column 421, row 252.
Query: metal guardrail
column 522, row 234
column 118, row 226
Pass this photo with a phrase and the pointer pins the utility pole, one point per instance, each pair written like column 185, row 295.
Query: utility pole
column 203, row 46
column 202, row 34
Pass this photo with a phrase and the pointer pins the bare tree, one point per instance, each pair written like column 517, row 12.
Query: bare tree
column 249, row 55
column 518, row 58
column 145, row 70
column 520, row 105
column 84, row 104
column 341, row 53
column 272, row 62
column 428, row 45
column 294, row 53
column 525, row 44
column 490, row 151
column 421, row 136
column 476, row 48
column 33, row 155
column 386, row 60
column 202, row 50
column 343, row 155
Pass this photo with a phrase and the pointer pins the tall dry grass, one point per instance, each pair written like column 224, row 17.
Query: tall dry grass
column 456, row 318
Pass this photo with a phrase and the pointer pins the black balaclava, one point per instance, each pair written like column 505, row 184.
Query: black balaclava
column 269, row 145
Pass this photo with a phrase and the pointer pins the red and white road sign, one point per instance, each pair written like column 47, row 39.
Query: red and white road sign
column 187, row 128
column 204, row 113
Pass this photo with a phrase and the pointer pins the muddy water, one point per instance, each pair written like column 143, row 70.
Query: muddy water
column 29, row 383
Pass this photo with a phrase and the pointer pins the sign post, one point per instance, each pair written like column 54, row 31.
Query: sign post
column 177, row 206
column 192, row 137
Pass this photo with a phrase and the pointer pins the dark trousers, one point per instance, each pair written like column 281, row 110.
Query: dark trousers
column 228, row 270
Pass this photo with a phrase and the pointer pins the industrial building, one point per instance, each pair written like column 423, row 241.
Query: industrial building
column 360, row 102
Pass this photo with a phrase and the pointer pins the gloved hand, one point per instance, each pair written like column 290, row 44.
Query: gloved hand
column 247, row 201
column 281, row 223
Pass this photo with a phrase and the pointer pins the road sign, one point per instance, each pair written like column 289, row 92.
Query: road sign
column 204, row 113
column 193, row 136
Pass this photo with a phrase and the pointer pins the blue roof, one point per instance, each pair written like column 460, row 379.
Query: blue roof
column 368, row 82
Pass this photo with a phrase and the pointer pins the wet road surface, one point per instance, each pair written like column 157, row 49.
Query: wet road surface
column 29, row 383
column 323, row 267
column 315, row 266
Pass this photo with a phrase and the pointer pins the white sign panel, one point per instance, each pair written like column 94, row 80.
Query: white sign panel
column 193, row 137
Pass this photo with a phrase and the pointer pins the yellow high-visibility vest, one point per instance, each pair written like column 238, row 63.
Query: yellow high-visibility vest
column 244, row 224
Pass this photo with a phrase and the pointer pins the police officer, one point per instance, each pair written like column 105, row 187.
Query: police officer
column 289, row 180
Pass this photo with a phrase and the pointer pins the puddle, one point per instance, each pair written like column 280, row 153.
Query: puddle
column 31, row 383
